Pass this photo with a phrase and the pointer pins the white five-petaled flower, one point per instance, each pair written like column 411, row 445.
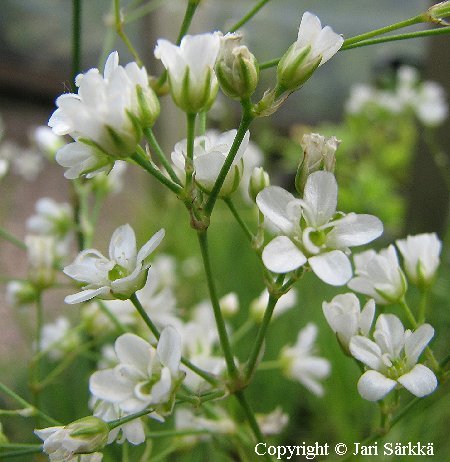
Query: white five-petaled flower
column 190, row 66
column 210, row 152
column 379, row 275
column 314, row 46
column 300, row 363
column 345, row 317
column 392, row 359
column 145, row 377
column 64, row 444
column 312, row 231
column 121, row 275
column 104, row 118
column 51, row 218
column 421, row 257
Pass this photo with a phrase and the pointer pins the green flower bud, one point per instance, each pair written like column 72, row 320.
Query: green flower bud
column 259, row 180
column 148, row 106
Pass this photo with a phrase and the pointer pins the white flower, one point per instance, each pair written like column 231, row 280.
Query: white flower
column 273, row 423
column 379, row 276
column 46, row 141
column 302, row 365
column 229, row 304
column 210, row 152
column 145, row 377
column 193, row 82
column 314, row 46
column 42, row 259
column 56, row 338
column 392, row 359
column 324, row 238
column 421, row 256
column 85, row 435
column 345, row 317
column 431, row 104
column 121, row 275
column 52, row 218
column 107, row 111
column 284, row 303
column 20, row 293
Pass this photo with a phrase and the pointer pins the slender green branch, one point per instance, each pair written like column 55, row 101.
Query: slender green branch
column 188, row 16
column 175, row 433
column 121, row 33
column 129, row 418
column 35, row 370
column 21, row 452
column 248, row 16
column 148, row 132
column 202, row 123
column 154, row 330
column 220, row 323
column 143, row 10
column 112, row 317
column 423, row 305
column 140, row 159
column 242, row 331
column 246, row 120
column 383, row 30
column 393, row 38
column 238, row 218
column 189, row 162
column 257, row 346
column 27, row 405
column 9, row 237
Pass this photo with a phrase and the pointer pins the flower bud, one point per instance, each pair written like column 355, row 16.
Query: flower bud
column 319, row 153
column 236, row 68
column 41, row 260
column 20, row 293
column 259, row 180
column 438, row 12
column 148, row 106
column 229, row 304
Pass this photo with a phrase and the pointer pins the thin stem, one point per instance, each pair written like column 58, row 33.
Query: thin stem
column 154, row 330
column 248, row 16
column 140, row 159
column 112, row 317
column 36, row 369
column 242, row 331
column 393, row 38
column 129, row 418
column 121, row 33
column 202, row 123
column 9, row 237
column 383, row 30
column 256, row 350
column 143, row 10
column 423, row 305
column 246, row 120
column 220, row 323
column 174, row 433
column 440, row 159
column 148, row 132
column 27, row 405
column 238, row 218
column 189, row 165
column 188, row 16
column 76, row 38
column 21, row 452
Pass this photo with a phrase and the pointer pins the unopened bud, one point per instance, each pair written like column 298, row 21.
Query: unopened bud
column 229, row 304
column 259, row 180
column 41, row 260
column 438, row 12
column 148, row 106
column 237, row 69
column 20, row 293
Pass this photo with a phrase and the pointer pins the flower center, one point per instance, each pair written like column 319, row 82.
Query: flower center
column 117, row 272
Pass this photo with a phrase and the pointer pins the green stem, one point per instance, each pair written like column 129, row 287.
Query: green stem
column 129, row 418
column 140, row 159
column 36, row 369
column 256, row 350
column 112, row 317
column 393, row 38
column 21, row 452
column 423, row 305
column 242, row 331
column 189, row 163
column 440, row 159
column 9, row 237
column 27, row 405
column 76, row 39
column 269, row 365
column 188, row 16
column 202, row 123
column 238, row 218
column 143, row 10
column 148, row 132
column 174, row 433
column 154, row 330
column 220, row 323
column 248, row 16
column 246, row 120
column 383, row 30
column 121, row 33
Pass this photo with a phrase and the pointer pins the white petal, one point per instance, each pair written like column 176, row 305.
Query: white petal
column 309, row 29
column 281, row 255
column 135, row 351
column 86, row 295
column 320, row 198
column 150, row 245
column 366, row 317
column 366, row 351
column 333, row 267
column 420, row 381
column 111, row 64
column 353, row 230
column 169, row 349
column 328, row 44
column 374, row 386
column 417, row 341
column 111, row 387
column 273, row 202
column 122, row 247
column 134, row 432
column 389, row 334
column 161, row 389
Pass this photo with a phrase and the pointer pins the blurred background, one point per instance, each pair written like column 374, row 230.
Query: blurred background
column 35, row 67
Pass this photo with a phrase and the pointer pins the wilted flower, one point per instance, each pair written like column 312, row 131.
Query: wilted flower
column 121, row 275
column 190, row 67
column 312, row 230
column 314, row 47
column 85, row 435
column 210, row 152
column 145, row 377
column 421, row 257
column 379, row 276
column 300, row 363
column 345, row 317
column 236, row 68
column 392, row 359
